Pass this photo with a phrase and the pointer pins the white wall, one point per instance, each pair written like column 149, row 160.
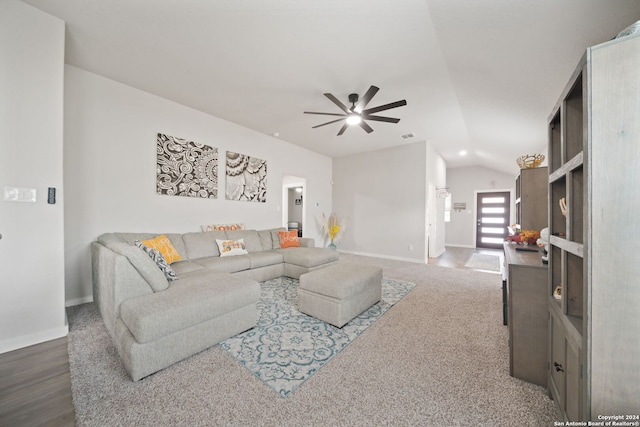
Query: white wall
column 31, row 107
column 110, row 170
column 383, row 195
column 464, row 183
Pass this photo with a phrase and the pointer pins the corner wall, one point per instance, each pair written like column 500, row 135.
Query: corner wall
column 31, row 107
column 110, row 171
column 383, row 195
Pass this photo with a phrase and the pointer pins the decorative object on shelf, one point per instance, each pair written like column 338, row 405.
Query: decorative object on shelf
column 557, row 292
column 563, row 206
column 186, row 168
column 526, row 237
column 543, row 242
column 333, row 228
column 529, row 161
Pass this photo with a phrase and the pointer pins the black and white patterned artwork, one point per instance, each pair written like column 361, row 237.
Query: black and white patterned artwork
column 186, row 168
column 246, row 178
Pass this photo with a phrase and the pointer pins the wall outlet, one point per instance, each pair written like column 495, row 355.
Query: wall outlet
column 410, row 247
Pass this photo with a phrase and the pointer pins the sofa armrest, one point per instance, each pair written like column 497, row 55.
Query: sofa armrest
column 307, row 242
column 114, row 280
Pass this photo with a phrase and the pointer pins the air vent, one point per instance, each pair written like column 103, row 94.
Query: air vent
column 408, row 135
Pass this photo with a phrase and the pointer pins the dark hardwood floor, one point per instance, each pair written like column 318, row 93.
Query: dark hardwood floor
column 35, row 386
column 35, row 382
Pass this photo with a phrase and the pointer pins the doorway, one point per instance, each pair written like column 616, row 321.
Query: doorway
column 492, row 218
column 293, row 208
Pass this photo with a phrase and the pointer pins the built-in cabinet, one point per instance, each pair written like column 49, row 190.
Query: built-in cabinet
column 531, row 199
column 594, row 322
column 526, row 284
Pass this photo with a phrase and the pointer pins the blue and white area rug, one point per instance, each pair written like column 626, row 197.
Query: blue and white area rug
column 287, row 347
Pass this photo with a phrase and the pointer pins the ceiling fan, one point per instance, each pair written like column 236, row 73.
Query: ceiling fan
column 356, row 114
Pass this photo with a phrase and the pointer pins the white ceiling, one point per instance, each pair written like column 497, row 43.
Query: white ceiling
column 478, row 75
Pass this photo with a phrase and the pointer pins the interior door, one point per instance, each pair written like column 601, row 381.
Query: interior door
column 492, row 218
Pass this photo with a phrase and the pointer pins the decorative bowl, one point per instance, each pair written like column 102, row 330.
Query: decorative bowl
column 529, row 161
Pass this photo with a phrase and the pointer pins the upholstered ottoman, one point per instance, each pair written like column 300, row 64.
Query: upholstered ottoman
column 338, row 293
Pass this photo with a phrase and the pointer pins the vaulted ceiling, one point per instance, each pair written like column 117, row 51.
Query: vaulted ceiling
column 478, row 75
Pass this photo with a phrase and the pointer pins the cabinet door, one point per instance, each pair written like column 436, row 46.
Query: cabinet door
column 528, row 323
column 556, row 368
column 573, row 381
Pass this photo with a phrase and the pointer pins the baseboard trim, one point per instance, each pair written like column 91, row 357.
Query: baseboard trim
column 417, row 261
column 78, row 301
column 32, row 339
column 459, row 246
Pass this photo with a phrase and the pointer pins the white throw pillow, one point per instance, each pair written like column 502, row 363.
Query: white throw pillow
column 231, row 247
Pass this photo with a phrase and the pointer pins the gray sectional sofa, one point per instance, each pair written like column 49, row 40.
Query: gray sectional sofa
column 155, row 322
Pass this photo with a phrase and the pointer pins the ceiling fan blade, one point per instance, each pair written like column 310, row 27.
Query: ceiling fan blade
column 325, row 114
column 366, row 98
column 328, row 123
column 385, row 107
column 337, row 102
column 366, row 127
column 381, row 119
column 343, row 128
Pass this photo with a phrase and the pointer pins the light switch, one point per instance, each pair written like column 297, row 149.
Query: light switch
column 16, row 194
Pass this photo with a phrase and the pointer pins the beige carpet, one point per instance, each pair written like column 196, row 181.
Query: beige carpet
column 437, row 358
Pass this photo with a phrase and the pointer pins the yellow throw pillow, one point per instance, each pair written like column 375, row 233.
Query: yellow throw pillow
column 164, row 246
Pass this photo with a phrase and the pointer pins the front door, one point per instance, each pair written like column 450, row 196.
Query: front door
column 492, row 219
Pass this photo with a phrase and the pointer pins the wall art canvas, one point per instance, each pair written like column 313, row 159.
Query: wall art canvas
column 186, row 168
column 246, row 178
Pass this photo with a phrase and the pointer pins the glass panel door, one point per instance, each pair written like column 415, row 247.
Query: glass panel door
column 492, row 219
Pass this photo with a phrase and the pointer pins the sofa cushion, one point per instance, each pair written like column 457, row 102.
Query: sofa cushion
column 275, row 237
column 309, row 257
column 307, row 242
column 191, row 301
column 202, row 244
column 263, row 259
column 143, row 264
column 265, row 240
column 132, row 237
column 108, row 239
column 183, row 267
column 178, row 243
column 230, row 264
column 250, row 237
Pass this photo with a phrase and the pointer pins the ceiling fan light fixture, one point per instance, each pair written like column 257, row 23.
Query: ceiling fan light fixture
column 358, row 113
column 354, row 119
